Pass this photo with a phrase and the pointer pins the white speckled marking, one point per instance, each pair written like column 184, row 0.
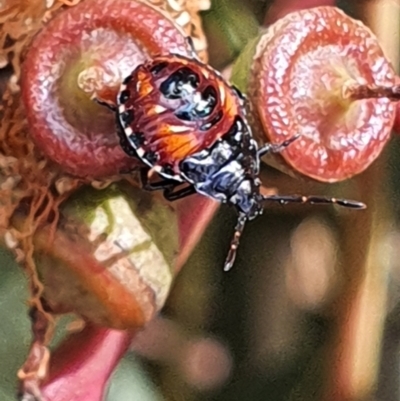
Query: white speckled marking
column 222, row 94
column 159, row 109
column 177, row 128
column 128, row 131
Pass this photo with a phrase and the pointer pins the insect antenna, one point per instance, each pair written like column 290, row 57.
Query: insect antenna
column 313, row 200
column 230, row 259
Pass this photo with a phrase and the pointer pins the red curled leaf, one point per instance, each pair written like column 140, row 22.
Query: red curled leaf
column 84, row 52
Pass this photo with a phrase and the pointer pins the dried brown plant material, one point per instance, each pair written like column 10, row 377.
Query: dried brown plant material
column 20, row 20
column 186, row 15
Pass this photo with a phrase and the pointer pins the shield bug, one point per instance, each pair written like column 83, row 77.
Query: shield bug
column 188, row 125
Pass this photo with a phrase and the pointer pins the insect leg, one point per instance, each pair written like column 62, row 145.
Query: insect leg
column 314, row 200
column 168, row 185
column 155, row 186
column 276, row 147
column 172, row 195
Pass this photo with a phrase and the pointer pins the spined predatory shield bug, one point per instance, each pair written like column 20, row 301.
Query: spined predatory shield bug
column 188, row 125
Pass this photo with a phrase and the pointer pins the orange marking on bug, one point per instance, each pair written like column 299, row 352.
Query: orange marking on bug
column 157, row 109
column 144, row 85
column 164, row 129
column 166, row 133
column 177, row 148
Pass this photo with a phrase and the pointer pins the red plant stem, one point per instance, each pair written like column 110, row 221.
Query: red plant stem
column 359, row 92
column 194, row 215
column 81, row 366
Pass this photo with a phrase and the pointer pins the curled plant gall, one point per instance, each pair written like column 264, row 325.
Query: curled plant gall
column 85, row 52
column 125, row 242
column 321, row 75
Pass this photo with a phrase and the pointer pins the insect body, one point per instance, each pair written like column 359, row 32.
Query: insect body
column 186, row 123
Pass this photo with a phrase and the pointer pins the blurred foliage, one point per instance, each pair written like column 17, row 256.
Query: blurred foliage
column 14, row 326
column 131, row 383
column 229, row 25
